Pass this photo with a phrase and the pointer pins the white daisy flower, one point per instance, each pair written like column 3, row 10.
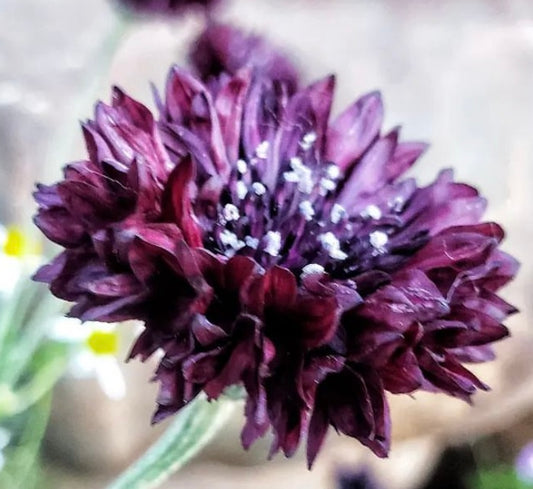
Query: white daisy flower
column 95, row 349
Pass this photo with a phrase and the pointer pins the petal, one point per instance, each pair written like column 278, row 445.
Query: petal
column 189, row 104
column 281, row 288
column 352, row 132
column 369, row 175
column 177, row 204
column 404, row 156
column 229, row 104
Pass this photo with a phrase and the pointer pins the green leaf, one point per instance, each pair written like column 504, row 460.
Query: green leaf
column 43, row 371
column 22, row 453
column 189, row 433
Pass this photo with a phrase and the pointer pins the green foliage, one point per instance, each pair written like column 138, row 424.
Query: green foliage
column 498, row 478
column 30, row 365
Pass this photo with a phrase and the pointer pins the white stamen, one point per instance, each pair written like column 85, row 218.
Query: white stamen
column 301, row 175
column 308, row 140
column 296, row 163
column 337, row 213
column 242, row 190
column 272, row 243
column 311, row 269
column 397, row 203
column 333, row 172
column 262, row 150
column 332, row 246
column 378, row 239
column 230, row 240
column 306, row 183
column 306, row 208
column 251, row 242
column 337, row 254
column 372, row 211
column 242, row 167
column 327, row 185
column 258, row 188
column 231, row 213
column 291, row 176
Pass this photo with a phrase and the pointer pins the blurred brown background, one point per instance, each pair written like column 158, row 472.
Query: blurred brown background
column 457, row 73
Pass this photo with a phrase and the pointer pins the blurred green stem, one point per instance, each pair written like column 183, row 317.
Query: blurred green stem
column 190, row 432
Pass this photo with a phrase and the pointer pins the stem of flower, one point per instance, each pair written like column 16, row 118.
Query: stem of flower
column 189, row 433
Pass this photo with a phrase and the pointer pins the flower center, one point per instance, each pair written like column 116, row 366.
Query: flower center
column 103, row 342
column 292, row 218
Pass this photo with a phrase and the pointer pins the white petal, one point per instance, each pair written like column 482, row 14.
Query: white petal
column 110, row 377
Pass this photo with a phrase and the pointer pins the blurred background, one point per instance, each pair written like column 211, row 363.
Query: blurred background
column 456, row 73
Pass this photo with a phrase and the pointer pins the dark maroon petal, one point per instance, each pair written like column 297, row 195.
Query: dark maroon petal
column 307, row 113
column 59, row 226
column 454, row 246
column 318, row 428
column 404, row 156
column 262, row 115
column 353, row 131
column 402, row 374
column 464, row 327
column 281, row 288
column 411, row 297
column 447, row 375
column 190, row 104
column 369, row 175
column 148, row 245
column 205, row 332
column 115, row 286
column 355, row 404
column 229, row 104
column 49, row 272
column 177, row 206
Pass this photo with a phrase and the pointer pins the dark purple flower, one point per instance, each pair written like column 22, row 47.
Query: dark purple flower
column 164, row 7
column 350, row 479
column 224, row 49
column 264, row 245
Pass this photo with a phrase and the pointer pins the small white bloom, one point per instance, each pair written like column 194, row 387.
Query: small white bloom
column 95, row 348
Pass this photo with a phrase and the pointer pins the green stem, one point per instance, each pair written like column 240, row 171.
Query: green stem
column 189, row 433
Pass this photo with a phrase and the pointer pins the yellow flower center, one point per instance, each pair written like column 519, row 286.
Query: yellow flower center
column 15, row 244
column 103, row 342
column 18, row 245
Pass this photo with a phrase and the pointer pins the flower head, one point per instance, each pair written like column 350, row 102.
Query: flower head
column 264, row 244
column 164, row 7
column 222, row 49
